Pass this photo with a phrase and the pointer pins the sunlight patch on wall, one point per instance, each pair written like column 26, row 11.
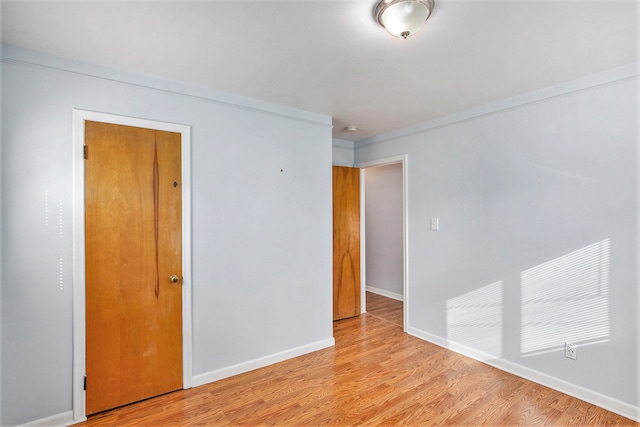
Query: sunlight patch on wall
column 474, row 319
column 46, row 208
column 60, row 218
column 566, row 299
column 61, row 272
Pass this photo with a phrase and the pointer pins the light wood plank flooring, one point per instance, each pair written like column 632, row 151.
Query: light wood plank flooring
column 375, row 375
column 385, row 308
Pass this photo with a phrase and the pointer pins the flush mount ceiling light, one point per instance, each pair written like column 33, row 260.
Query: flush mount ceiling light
column 403, row 18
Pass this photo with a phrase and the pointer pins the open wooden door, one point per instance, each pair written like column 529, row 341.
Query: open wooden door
column 133, row 229
column 346, row 242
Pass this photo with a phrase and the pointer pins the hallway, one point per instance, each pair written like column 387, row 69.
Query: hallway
column 385, row 308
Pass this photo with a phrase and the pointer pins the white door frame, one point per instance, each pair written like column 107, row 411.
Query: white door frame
column 403, row 160
column 79, row 303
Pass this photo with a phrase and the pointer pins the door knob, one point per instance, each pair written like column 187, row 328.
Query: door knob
column 174, row 279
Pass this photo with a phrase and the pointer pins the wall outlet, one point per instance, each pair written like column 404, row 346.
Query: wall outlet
column 571, row 351
column 435, row 224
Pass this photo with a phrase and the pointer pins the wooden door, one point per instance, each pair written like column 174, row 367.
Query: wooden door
column 133, row 229
column 346, row 242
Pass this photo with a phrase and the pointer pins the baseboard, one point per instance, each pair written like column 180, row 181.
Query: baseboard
column 251, row 365
column 60, row 420
column 384, row 293
column 595, row 398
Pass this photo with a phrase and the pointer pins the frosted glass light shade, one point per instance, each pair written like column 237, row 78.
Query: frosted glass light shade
column 403, row 18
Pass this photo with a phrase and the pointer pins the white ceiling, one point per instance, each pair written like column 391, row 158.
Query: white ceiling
column 331, row 57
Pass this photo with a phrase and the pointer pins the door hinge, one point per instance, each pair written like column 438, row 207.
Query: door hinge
column 85, row 383
column 86, row 152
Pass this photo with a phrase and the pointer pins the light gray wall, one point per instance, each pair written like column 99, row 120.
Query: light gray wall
column 342, row 153
column 261, row 238
column 537, row 198
column 383, row 228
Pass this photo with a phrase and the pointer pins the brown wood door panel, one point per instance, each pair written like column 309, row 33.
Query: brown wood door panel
column 346, row 242
column 133, row 244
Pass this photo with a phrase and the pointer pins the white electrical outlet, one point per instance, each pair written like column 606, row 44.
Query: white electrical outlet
column 571, row 351
column 435, row 224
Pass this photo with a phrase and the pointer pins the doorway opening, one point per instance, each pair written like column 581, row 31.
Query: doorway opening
column 397, row 240
column 79, row 260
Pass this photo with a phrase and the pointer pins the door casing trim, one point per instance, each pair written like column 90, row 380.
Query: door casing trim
column 79, row 282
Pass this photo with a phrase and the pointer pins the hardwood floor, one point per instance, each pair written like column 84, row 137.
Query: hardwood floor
column 375, row 375
column 385, row 308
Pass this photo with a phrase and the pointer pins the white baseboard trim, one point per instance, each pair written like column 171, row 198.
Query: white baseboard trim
column 384, row 293
column 60, row 420
column 251, row 365
column 595, row 398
